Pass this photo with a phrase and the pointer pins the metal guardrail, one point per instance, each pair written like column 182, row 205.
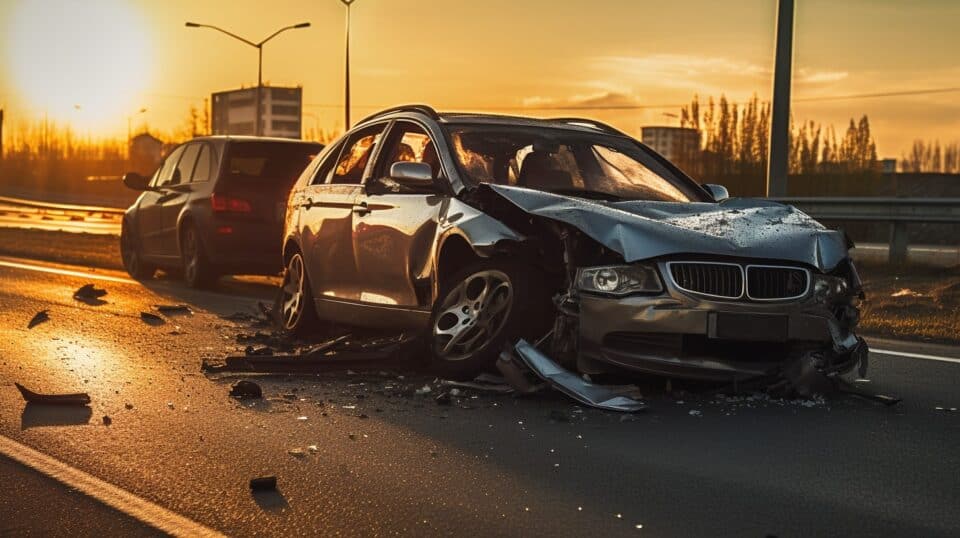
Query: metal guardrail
column 898, row 212
column 60, row 207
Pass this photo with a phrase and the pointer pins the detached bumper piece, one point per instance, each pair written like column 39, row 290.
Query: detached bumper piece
column 609, row 397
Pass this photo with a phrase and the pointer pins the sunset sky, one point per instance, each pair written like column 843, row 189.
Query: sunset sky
column 96, row 62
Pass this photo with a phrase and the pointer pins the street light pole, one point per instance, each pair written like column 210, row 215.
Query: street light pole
column 346, row 78
column 259, row 46
column 778, row 161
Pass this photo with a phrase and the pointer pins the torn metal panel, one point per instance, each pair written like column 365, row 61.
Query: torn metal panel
column 609, row 397
column 639, row 230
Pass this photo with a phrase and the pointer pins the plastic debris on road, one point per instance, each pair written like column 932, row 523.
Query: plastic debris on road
column 263, row 483
column 173, row 309
column 90, row 294
column 151, row 319
column 38, row 318
column 246, row 390
column 77, row 398
column 609, row 397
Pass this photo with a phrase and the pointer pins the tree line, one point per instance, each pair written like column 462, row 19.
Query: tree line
column 931, row 157
column 734, row 141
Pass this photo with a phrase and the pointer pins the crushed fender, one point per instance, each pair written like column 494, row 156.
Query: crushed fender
column 609, row 397
column 78, row 398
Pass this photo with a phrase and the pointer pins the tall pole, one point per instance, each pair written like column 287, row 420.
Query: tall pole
column 778, row 161
column 259, row 86
column 346, row 78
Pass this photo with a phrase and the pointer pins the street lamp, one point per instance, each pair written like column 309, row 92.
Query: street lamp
column 346, row 78
column 259, row 47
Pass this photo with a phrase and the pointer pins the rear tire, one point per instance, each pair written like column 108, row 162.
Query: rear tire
column 197, row 270
column 297, row 314
column 131, row 256
column 480, row 308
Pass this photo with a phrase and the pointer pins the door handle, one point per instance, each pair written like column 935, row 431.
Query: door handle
column 361, row 208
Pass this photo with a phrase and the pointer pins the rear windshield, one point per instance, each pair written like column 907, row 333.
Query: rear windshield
column 280, row 162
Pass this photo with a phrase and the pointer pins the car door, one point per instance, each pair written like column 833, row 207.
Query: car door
column 177, row 192
column 150, row 212
column 394, row 235
column 326, row 209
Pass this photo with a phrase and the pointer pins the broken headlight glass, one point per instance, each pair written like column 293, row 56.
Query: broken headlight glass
column 830, row 288
column 619, row 279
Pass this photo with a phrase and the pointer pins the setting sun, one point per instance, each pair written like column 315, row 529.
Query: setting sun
column 80, row 62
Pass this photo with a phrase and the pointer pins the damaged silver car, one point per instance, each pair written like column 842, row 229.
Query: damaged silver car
column 480, row 230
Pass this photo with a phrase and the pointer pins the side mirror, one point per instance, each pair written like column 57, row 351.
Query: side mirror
column 417, row 175
column 135, row 181
column 719, row 192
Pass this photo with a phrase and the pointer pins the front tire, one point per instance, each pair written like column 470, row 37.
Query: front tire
column 480, row 308
column 131, row 256
column 197, row 270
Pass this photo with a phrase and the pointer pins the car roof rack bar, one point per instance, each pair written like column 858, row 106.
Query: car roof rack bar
column 424, row 109
column 591, row 123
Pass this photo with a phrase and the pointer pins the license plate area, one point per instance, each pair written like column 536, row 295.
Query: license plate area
column 748, row 326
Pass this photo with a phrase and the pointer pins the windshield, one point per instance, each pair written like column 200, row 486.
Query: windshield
column 274, row 161
column 566, row 161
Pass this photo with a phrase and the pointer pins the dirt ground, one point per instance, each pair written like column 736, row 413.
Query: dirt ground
column 911, row 303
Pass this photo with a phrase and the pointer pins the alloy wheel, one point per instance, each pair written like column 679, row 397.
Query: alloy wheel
column 191, row 255
column 472, row 314
column 292, row 302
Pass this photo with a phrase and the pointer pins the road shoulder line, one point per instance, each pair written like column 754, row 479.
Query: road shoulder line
column 121, row 500
column 914, row 355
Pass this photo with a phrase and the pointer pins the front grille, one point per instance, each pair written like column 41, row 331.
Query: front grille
column 714, row 279
column 768, row 283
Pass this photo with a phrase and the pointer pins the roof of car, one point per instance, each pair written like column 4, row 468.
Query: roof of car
column 247, row 138
column 577, row 124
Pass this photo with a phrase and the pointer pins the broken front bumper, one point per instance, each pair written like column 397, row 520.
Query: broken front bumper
column 683, row 335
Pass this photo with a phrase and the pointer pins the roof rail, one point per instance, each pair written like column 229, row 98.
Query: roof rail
column 590, row 123
column 424, row 109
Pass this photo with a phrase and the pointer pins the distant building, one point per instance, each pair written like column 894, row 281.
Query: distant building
column 677, row 144
column 281, row 111
column 146, row 151
column 888, row 166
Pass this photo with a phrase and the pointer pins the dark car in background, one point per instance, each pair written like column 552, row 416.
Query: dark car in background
column 214, row 206
column 475, row 230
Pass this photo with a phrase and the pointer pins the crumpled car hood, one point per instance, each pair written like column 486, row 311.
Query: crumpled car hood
column 638, row 230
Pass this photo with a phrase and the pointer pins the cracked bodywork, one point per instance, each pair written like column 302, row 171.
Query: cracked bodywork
column 681, row 334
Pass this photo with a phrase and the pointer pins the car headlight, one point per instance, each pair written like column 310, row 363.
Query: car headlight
column 829, row 288
column 619, row 279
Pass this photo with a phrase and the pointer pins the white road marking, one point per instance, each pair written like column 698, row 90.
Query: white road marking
column 65, row 272
column 914, row 355
column 121, row 500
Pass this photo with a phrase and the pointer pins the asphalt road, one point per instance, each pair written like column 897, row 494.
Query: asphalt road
column 489, row 465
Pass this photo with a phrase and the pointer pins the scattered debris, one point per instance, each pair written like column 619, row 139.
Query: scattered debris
column 312, row 448
column 78, row 398
column 151, row 319
column 609, row 397
column 170, row 405
column 906, row 292
column 173, row 309
column 90, row 294
column 246, row 390
column 443, row 398
column 483, row 382
column 297, row 452
column 261, row 351
column 695, row 413
column 513, row 374
column 107, row 420
column 423, row 390
column 263, row 483
column 38, row 318
column 128, row 406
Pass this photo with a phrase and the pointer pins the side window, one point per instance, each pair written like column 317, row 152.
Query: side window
column 204, row 169
column 169, row 165
column 323, row 171
column 409, row 143
column 185, row 167
column 356, row 154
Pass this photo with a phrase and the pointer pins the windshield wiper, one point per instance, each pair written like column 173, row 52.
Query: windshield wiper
column 587, row 193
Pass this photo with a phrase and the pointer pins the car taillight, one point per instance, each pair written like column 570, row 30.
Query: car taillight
column 227, row 204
